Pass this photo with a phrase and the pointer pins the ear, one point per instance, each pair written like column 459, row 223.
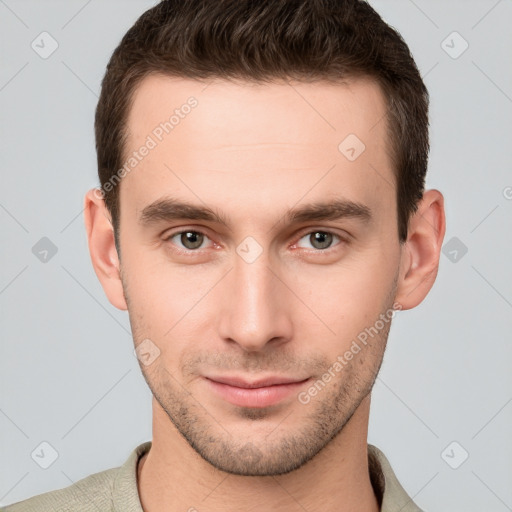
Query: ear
column 100, row 237
column 421, row 251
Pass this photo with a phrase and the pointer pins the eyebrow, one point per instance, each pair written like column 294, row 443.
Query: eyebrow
column 168, row 209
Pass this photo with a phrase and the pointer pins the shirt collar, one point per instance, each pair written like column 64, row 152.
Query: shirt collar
column 387, row 488
column 390, row 493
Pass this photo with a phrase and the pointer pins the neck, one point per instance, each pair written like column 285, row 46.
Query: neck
column 172, row 477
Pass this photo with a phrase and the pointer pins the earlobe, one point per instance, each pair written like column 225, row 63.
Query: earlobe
column 421, row 251
column 104, row 257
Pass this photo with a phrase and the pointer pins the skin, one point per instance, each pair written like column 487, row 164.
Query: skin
column 251, row 152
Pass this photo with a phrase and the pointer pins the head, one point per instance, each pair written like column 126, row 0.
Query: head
column 262, row 214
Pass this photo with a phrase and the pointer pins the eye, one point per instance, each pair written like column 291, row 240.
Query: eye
column 320, row 240
column 189, row 239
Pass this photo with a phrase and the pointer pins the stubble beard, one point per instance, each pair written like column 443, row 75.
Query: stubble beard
column 283, row 449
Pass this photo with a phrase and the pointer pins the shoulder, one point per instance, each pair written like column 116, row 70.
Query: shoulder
column 111, row 490
column 89, row 494
column 387, row 487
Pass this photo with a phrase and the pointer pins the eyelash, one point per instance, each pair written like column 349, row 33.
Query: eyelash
column 192, row 252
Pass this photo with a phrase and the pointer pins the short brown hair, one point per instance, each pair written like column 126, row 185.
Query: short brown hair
column 307, row 40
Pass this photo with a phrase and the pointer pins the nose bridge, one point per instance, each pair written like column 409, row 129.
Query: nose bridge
column 255, row 310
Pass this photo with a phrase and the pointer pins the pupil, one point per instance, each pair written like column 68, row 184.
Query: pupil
column 321, row 240
column 191, row 239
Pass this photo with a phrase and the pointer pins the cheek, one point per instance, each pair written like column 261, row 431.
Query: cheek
column 345, row 299
column 155, row 301
column 166, row 305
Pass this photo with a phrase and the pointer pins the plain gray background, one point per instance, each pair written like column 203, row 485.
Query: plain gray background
column 68, row 373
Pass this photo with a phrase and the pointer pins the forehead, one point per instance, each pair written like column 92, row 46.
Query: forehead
column 308, row 111
column 216, row 138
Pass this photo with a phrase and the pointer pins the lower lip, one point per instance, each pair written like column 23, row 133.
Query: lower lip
column 254, row 397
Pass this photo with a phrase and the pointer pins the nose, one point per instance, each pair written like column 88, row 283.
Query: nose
column 256, row 305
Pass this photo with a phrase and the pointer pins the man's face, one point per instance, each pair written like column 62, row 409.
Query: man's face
column 267, row 298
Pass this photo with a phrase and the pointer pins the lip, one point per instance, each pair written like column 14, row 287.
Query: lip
column 257, row 394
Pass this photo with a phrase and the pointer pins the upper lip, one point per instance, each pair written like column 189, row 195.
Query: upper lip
column 261, row 383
